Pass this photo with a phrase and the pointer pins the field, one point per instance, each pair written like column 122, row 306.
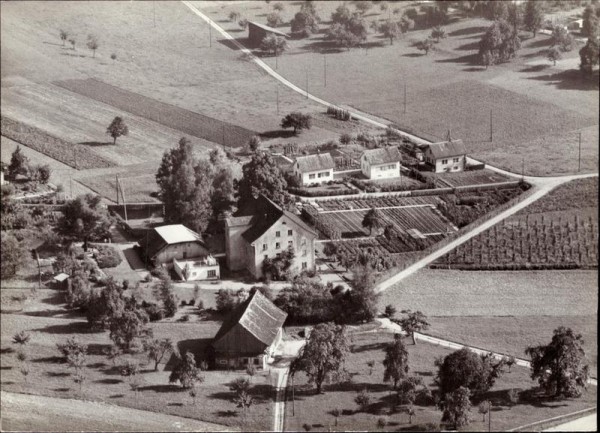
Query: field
column 104, row 383
column 537, row 109
column 475, row 177
column 577, row 194
column 315, row 410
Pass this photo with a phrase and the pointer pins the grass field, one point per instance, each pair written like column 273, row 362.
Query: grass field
column 535, row 107
column 104, row 383
column 315, row 409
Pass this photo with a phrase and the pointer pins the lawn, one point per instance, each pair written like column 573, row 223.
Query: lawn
column 535, row 107
column 104, row 383
column 315, row 409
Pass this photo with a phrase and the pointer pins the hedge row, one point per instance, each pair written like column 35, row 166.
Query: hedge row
column 306, row 192
column 339, row 113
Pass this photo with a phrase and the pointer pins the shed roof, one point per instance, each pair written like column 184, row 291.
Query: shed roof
column 61, row 277
column 266, row 28
column 448, row 149
column 257, row 315
column 176, row 233
column 382, row 155
column 319, row 161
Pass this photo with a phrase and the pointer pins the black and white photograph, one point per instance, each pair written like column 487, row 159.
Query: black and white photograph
column 296, row 216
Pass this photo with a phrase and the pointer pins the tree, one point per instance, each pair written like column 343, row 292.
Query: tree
column 163, row 291
column 44, row 173
column 499, row 43
column 560, row 367
column 242, row 397
column 297, row 120
column 304, row 24
column 104, row 305
column 589, row 56
column 64, row 35
column 561, row 39
column 514, row 16
column 395, row 362
column 234, row 16
column 185, row 185
column 158, row 349
column 413, row 322
column 464, row 368
column 254, row 143
column 19, row 164
column 243, row 23
column 363, row 399
column 92, row 44
column 13, row 255
column 438, row 33
column 279, row 268
column 425, row 45
column 264, row 290
column 324, row 354
column 85, row 219
column 128, row 325
column 341, row 15
column 226, row 301
column 390, row 311
column 273, row 43
column 262, row 176
column 406, row 24
column 185, row 371
column 373, row 220
column 274, row 19
column 534, row 16
column 456, row 407
column 360, row 302
column 391, row 30
column 21, row 338
column 117, row 128
column 113, row 56
column 484, row 408
column 591, row 21
column 239, row 385
column 554, row 54
column 363, row 6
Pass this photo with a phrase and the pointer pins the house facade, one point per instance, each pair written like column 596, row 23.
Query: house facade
column 313, row 169
column 257, row 32
column 261, row 230
column 382, row 163
column 250, row 334
column 447, row 156
column 177, row 247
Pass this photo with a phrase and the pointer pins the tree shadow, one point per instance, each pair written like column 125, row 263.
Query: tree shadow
column 57, row 374
column 468, row 31
column 424, row 373
column 199, row 347
column 55, row 44
column 116, row 396
column 226, row 413
column 474, row 69
column 469, row 59
column 70, row 328
column 108, row 381
column 279, row 133
column 469, row 47
column 50, row 360
column 569, row 80
column 355, row 234
column 98, row 350
column 413, row 55
column 535, row 68
column 230, row 44
column 8, row 382
column 539, row 43
column 540, row 53
column 96, row 143
column 323, row 46
column 72, row 55
column 367, row 347
column 7, row 350
column 175, row 404
column 6, row 368
column 162, row 388
column 260, row 393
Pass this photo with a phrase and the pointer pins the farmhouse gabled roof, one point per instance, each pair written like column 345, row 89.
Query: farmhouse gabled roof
column 169, row 235
column 448, row 149
column 319, row 161
column 382, row 155
column 257, row 315
column 267, row 28
column 261, row 213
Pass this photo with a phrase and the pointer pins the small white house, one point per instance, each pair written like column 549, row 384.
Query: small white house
column 314, row 169
column 382, row 163
column 202, row 268
column 447, row 156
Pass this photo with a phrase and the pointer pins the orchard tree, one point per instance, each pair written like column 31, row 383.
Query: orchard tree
column 64, row 35
column 234, row 16
column 185, row 371
column 560, row 367
column 324, row 354
column 591, row 21
column 262, row 176
column 274, row 19
column 158, row 349
column 363, row 6
column 304, row 24
column 456, row 407
column 19, row 164
column 92, row 44
column 534, row 16
column 589, row 56
column 391, row 30
column 185, row 185
column 562, row 39
column 117, row 128
column 297, row 120
column 128, row 325
column 85, row 219
column 406, row 24
column 361, row 301
column 554, row 54
column 72, row 41
column 274, row 44
column 438, row 33
column 395, row 362
column 13, row 255
column 413, row 322
column 373, row 220
column 425, row 45
column 499, row 44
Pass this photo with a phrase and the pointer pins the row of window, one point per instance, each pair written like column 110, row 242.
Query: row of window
column 387, row 167
column 320, row 175
column 265, row 247
column 278, row 233
column 445, row 161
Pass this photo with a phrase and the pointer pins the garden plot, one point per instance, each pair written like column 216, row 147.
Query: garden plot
column 476, row 177
column 375, row 202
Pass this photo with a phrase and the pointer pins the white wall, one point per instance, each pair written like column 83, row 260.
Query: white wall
column 305, row 178
column 376, row 171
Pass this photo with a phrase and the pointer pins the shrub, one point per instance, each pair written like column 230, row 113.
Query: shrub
column 107, row 257
column 345, row 138
column 185, row 318
column 153, row 311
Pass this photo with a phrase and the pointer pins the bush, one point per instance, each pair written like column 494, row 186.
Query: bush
column 107, row 257
column 153, row 311
column 339, row 113
column 200, row 305
column 185, row 318
column 345, row 138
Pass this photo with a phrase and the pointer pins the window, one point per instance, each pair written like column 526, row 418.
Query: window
column 264, row 247
column 444, row 161
column 304, row 253
column 290, row 232
column 277, row 245
column 222, row 361
column 211, row 274
column 456, row 160
column 255, row 361
column 311, row 176
column 278, row 234
column 291, row 243
column 304, row 265
column 266, row 256
column 324, row 174
column 185, row 254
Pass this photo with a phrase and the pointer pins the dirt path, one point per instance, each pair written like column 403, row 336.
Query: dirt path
column 21, row 412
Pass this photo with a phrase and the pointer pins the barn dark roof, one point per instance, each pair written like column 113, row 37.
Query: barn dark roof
column 447, row 149
column 266, row 28
column 320, row 161
column 262, row 214
column 257, row 315
column 382, row 155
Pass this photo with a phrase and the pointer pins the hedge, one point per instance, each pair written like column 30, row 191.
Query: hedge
column 107, row 257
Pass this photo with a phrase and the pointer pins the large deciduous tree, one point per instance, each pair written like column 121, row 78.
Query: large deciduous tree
column 534, row 16
column 323, row 355
column 19, row 164
column 13, row 255
column 158, row 349
column 274, row 44
column 304, row 24
column 373, row 220
column 185, row 371
column 591, row 21
column 391, row 30
column 127, row 325
column 348, row 29
column 560, row 367
column 395, row 362
column 456, row 407
column 262, row 176
column 117, row 128
column 561, row 38
column 415, row 321
column 85, row 219
column 589, row 56
column 499, row 43
column 185, row 187
column 297, row 120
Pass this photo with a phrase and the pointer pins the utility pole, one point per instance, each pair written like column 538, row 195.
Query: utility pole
column 209, row 36
column 523, row 168
column 293, row 398
column 307, row 84
column 491, row 127
column 489, row 415
column 404, row 98
column 277, row 99
column 71, row 185
column 117, row 187
column 324, row 70
column 154, row 11
column 579, row 166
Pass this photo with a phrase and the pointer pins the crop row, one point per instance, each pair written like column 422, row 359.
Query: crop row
column 523, row 242
column 375, row 202
column 476, row 177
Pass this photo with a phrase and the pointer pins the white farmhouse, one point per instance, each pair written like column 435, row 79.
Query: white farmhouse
column 313, row 169
column 382, row 163
column 447, row 156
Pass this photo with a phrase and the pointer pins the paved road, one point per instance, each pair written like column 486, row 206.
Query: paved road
column 22, row 412
column 587, row 423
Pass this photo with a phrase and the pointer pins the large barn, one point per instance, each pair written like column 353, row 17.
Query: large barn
column 250, row 334
column 257, row 32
